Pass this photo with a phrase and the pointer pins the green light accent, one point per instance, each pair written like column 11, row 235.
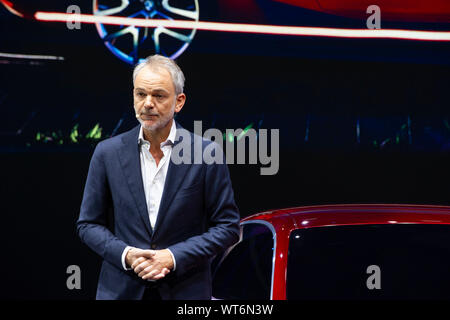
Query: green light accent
column 244, row 131
column 95, row 133
column 38, row 136
column 397, row 139
column 230, row 137
column 74, row 133
column 98, row 135
column 386, row 141
column 240, row 135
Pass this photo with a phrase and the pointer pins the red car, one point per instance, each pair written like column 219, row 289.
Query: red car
column 339, row 252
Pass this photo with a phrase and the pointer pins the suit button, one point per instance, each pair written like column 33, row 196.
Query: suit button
column 153, row 246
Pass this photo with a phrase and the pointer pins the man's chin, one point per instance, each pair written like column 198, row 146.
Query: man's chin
column 149, row 125
column 151, row 128
column 152, row 125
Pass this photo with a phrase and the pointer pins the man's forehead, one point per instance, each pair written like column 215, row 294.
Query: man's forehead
column 150, row 75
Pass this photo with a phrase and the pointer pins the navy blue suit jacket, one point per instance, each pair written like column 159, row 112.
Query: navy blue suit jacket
column 197, row 218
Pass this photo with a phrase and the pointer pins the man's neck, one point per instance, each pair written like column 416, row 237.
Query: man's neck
column 157, row 136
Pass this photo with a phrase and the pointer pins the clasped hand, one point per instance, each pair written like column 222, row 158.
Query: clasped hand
column 150, row 264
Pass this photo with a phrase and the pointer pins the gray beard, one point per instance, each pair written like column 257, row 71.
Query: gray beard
column 159, row 125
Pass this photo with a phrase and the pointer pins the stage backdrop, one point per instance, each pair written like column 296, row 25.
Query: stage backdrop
column 360, row 120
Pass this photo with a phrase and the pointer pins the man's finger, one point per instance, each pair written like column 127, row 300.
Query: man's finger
column 159, row 276
column 145, row 271
column 156, row 276
column 142, row 266
column 137, row 262
column 151, row 275
column 148, row 253
column 163, row 273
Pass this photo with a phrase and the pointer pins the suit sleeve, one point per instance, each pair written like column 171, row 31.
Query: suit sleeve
column 223, row 217
column 92, row 222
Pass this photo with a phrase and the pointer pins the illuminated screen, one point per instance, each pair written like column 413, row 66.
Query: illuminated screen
column 314, row 69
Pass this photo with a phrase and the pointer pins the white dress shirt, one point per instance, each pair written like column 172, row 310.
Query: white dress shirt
column 153, row 178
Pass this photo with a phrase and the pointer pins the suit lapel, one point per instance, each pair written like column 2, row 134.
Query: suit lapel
column 131, row 165
column 175, row 175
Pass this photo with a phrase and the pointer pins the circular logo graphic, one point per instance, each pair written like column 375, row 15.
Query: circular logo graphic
column 132, row 44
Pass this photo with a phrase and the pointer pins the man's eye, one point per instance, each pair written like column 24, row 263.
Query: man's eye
column 141, row 94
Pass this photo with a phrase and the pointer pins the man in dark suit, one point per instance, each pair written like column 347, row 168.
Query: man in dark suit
column 156, row 224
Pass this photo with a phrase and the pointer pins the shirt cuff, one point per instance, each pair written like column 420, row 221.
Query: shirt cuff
column 124, row 254
column 173, row 258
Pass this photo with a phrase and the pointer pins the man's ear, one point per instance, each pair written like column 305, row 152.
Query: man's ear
column 181, row 99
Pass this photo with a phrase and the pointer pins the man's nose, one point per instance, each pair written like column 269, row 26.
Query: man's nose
column 148, row 103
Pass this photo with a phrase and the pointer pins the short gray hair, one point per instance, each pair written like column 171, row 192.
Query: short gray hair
column 158, row 61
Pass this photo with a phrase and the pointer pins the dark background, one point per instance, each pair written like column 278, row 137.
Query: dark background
column 315, row 91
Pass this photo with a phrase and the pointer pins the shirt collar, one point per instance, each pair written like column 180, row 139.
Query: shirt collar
column 170, row 139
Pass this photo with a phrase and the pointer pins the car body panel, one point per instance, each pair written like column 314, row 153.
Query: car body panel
column 284, row 221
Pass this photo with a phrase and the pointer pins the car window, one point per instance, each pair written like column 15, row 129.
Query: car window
column 246, row 272
column 395, row 261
